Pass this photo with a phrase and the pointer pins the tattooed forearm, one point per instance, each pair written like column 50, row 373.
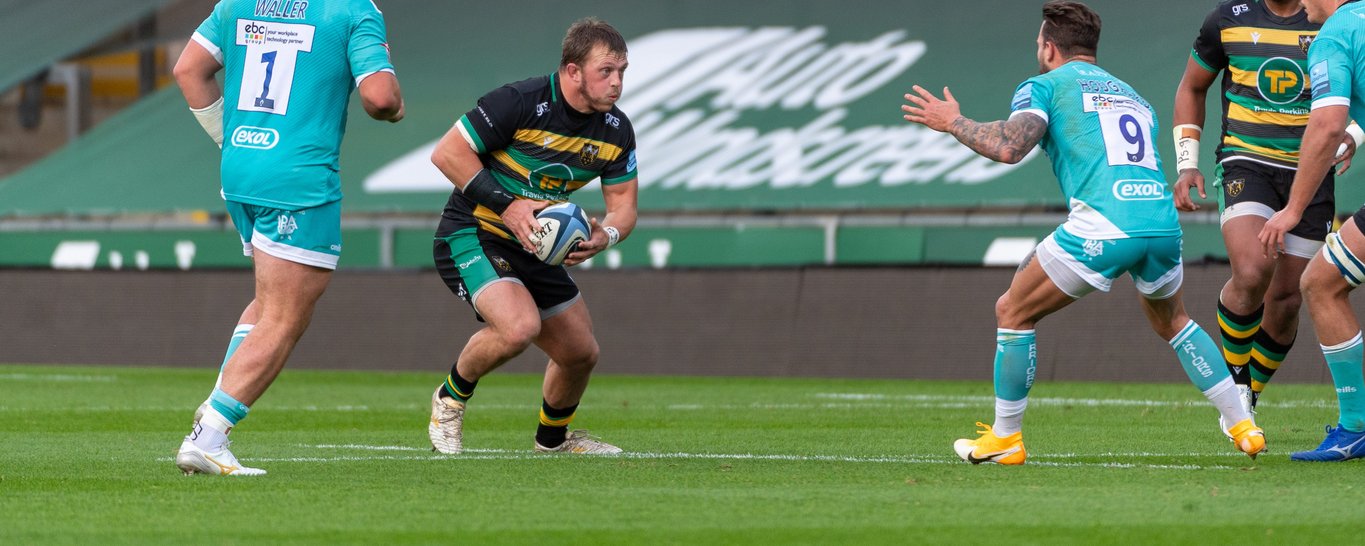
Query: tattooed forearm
column 1005, row 141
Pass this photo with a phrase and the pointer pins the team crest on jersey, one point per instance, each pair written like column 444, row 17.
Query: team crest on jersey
column 1305, row 40
column 501, row 263
column 286, row 225
column 587, row 155
column 1093, row 248
column 1235, row 187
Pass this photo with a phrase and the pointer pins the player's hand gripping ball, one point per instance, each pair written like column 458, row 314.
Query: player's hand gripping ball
column 562, row 227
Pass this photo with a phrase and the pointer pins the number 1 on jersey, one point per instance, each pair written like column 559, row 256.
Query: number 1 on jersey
column 272, row 51
column 264, row 101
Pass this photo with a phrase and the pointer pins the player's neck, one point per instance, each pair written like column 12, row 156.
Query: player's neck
column 1074, row 58
column 577, row 102
column 1284, row 8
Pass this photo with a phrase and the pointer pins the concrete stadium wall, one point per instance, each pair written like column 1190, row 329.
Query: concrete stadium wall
column 920, row 323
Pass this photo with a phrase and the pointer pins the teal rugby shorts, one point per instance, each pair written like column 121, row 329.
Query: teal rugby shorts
column 309, row 236
column 1079, row 266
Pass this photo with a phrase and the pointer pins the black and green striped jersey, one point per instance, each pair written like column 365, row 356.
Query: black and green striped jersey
column 539, row 147
column 1264, row 60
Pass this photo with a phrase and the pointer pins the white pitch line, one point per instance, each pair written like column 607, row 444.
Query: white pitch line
column 507, row 454
column 58, row 378
column 1055, row 401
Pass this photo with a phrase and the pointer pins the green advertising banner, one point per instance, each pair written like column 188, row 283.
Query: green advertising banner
column 783, row 105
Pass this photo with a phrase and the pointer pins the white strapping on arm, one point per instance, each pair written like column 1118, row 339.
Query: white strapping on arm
column 1357, row 135
column 1186, row 146
column 211, row 119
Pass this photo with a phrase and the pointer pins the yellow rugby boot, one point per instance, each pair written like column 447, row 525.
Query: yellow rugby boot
column 1248, row 437
column 988, row 448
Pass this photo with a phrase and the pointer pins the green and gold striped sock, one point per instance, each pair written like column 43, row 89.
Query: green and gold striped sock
column 554, row 424
column 1237, row 333
column 457, row 387
column 1266, row 357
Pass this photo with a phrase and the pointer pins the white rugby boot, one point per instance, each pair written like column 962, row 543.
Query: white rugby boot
column 446, row 428
column 1243, row 395
column 579, row 441
column 193, row 460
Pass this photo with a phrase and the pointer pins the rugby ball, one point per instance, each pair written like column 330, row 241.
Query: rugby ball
column 562, row 227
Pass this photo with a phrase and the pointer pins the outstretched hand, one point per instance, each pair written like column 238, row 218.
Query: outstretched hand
column 929, row 111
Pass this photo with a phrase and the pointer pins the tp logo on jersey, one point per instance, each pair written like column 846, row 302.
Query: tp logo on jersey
column 1280, row 80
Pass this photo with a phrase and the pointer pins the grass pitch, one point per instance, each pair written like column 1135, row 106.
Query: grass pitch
column 86, row 457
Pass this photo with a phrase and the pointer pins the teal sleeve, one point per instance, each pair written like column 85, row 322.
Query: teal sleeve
column 1329, row 72
column 369, row 48
column 1033, row 94
column 211, row 29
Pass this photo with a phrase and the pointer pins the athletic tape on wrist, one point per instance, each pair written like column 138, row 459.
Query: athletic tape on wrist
column 211, row 119
column 1186, row 146
column 486, row 191
column 613, row 235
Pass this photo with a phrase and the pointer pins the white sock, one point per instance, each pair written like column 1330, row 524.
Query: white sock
column 1228, row 400
column 1009, row 416
column 211, row 432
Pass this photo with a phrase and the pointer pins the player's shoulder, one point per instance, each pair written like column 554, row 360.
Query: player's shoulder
column 535, row 87
column 1235, row 12
column 1349, row 19
column 616, row 119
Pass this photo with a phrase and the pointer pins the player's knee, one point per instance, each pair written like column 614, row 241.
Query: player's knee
column 1321, row 283
column 1251, row 277
column 519, row 334
column 584, row 359
column 1007, row 314
column 1287, row 301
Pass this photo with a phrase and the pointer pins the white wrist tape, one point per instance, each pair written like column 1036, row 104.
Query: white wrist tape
column 211, row 119
column 1186, row 146
column 613, row 235
column 1357, row 134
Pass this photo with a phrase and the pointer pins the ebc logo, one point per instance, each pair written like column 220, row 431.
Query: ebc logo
column 254, row 32
column 260, row 138
column 1139, row 190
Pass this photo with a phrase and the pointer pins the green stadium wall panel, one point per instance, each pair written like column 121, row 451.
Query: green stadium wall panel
column 737, row 106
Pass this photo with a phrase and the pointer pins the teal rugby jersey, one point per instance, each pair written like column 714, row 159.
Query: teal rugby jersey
column 1337, row 61
column 289, row 68
column 1101, row 139
column 539, row 147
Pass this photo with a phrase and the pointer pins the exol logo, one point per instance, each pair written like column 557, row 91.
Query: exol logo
column 1139, row 190
column 260, row 138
